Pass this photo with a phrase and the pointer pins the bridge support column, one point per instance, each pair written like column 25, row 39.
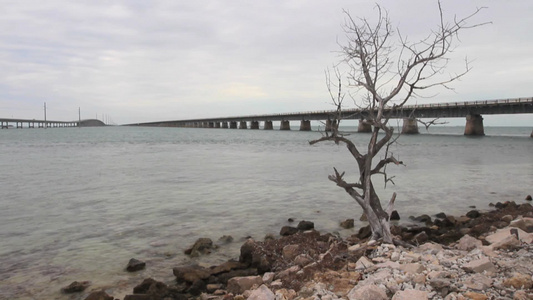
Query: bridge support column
column 531, row 135
column 474, row 125
column 410, row 126
column 285, row 125
column 254, row 125
column 233, row 125
column 268, row 125
column 242, row 125
column 364, row 126
column 225, row 125
column 305, row 125
column 210, row 124
column 217, row 124
column 330, row 124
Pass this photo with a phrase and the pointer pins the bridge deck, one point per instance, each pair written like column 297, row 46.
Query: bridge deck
column 436, row 110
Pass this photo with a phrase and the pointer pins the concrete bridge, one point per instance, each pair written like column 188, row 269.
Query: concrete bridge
column 472, row 111
column 19, row 123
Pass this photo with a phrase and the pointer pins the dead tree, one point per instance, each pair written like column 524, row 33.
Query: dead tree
column 385, row 73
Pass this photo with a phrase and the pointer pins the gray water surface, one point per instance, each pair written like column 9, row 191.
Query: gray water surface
column 78, row 203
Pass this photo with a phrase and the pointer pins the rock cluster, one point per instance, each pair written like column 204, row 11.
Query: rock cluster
column 488, row 255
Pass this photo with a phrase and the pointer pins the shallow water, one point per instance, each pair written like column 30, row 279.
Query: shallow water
column 78, row 203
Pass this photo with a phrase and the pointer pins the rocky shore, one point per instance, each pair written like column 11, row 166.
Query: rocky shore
column 481, row 255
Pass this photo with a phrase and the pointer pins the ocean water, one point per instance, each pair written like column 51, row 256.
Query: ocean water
column 78, row 203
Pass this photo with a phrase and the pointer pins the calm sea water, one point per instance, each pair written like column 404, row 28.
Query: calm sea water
column 77, row 204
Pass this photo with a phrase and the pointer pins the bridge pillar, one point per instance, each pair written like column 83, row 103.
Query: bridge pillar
column 210, row 124
column 474, row 125
column 217, row 124
column 285, row 125
column 531, row 135
column 225, row 125
column 410, row 126
column 242, row 125
column 268, row 125
column 364, row 126
column 254, row 125
column 330, row 124
column 305, row 125
column 233, row 125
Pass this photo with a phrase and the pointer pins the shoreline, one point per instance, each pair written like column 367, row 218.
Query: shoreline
column 294, row 269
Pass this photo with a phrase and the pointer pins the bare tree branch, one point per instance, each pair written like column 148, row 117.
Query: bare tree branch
column 386, row 73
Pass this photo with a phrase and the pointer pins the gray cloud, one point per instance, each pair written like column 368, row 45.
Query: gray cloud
column 160, row 60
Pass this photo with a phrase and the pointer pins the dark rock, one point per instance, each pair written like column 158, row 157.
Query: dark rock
column 528, row 197
column 224, row 277
column 394, row 215
column 152, row 289
column 135, row 265
column 479, row 229
column 396, row 230
column 269, row 237
column 290, row 220
column 499, row 205
column 191, row 273
column 363, row 218
column 201, row 246
column 101, row 295
column 254, row 256
column 288, row 230
column 441, row 215
column 364, row 232
column 197, row 288
column 472, row 206
column 306, row 225
column 146, row 285
column 227, row 267
column 420, row 238
column 473, row 214
column 444, row 222
column 138, row 297
column 423, row 219
column 75, row 287
column 347, row 224
column 225, row 239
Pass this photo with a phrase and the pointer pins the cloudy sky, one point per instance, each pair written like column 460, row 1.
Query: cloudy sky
column 140, row 61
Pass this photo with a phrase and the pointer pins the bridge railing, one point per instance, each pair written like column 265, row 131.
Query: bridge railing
column 465, row 104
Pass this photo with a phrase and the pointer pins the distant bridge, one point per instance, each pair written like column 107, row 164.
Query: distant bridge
column 32, row 123
column 471, row 110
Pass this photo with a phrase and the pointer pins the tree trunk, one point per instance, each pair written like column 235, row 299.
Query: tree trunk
column 377, row 218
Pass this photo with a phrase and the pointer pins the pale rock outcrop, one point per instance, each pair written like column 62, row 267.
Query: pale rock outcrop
column 367, row 292
column 238, row 285
column 410, row 295
column 468, row 243
column 262, row 293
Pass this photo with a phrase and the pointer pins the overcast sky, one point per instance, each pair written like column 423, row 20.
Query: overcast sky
column 140, row 61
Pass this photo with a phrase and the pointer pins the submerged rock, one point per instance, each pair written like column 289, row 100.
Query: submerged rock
column 347, row 224
column 135, row 265
column 288, row 230
column 306, row 225
column 76, row 287
column 153, row 289
column 201, row 246
column 394, row 216
column 101, row 295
